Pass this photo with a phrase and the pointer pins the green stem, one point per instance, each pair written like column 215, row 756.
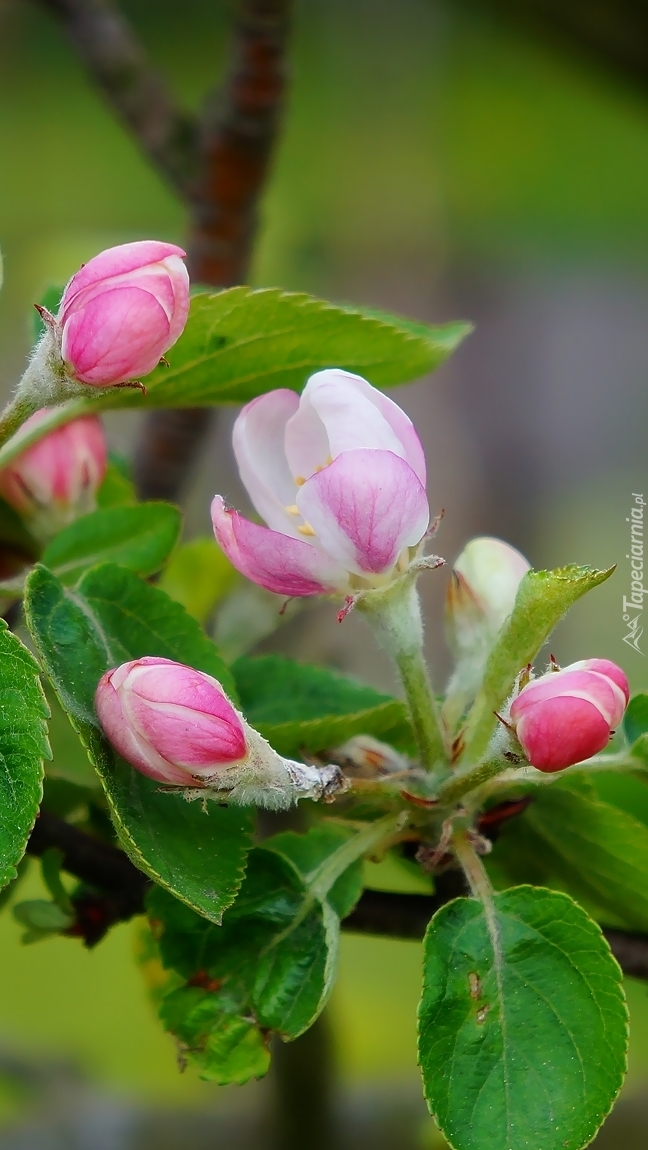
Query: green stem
column 14, row 415
column 14, row 445
column 396, row 616
column 459, row 785
column 473, row 869
column 362, row 843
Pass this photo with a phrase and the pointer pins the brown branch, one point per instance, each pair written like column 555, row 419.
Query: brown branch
column 121, row 890
column 112, row 54
column 390, row 915
column 117, row 886
column 218, row 165
column 238, row 133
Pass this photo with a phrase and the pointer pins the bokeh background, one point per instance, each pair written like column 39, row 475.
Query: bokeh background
column 438, row 163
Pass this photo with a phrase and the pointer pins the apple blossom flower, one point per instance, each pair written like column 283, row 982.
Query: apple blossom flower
column 121, row 312
column 56, row 480
column 176, row 725
column 564, row 717
column 338, row 475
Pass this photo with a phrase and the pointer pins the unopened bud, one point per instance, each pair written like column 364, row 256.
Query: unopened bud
column 481, row 595
column 482, row 592
column 176, row 725
column 564, row 717
column 55, row 481
column 122, row 311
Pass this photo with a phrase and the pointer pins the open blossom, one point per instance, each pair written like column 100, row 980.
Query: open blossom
column 338, row 475
column 177, row 725
column 566, row 716
column 56, row 480
column 122, row 311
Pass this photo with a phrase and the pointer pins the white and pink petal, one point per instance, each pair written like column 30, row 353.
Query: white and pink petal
column 364, row 508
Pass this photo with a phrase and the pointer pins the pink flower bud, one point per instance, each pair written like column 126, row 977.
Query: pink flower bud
column 122, row 311
column 338, row 474
column 566, row 716
column 173, row 723
column 56, row 480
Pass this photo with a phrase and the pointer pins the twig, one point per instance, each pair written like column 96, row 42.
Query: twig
column 238, row 132
column 118, row 887
column 112, row 54
column 382, row 913
column 217, row 164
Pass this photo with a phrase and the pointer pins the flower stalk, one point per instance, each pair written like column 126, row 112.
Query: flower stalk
column 395, row 614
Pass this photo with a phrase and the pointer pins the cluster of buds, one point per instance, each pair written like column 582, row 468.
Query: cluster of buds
column 118, row 316
column 338, row 475
column 566, row 716
column 176, row 725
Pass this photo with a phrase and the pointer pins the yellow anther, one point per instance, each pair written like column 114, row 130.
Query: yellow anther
column 299, row 480
column 305, row 529
column 293, row 509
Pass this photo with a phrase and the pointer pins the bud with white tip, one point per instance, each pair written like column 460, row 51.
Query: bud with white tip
column 481, row 595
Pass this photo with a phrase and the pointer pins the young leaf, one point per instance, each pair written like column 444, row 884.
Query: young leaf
column 14, row 535
column 242, row 342
column 295, row 705
column 635, row 720
column 522, row 1023
column 308, row 851
column 592, row 849
column 111, row 617
column 138, row 537
column 116, row 490
column 543, row 598
column 270, row 964
column 23, row 746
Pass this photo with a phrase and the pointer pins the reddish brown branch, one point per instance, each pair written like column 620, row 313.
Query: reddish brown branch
column 121, row 888
column 238, row 133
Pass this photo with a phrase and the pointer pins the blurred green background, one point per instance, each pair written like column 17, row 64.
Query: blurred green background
column 436, row 163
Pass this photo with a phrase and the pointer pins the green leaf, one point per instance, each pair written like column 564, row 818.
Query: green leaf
column 635, row 720
column 41, row 916
column 595, row 851
column 242, row 342
column 14, row 534
column 226, row 1047
column 23, row 746
column 199, row 575
column 627, row 791
column 270, row 965
column 295, row 706
column 117, row 490
column 272, row 962
column 111, row 617
column 543, row 598
column 308, row 851
column 522, row 1023
column 139, row 537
